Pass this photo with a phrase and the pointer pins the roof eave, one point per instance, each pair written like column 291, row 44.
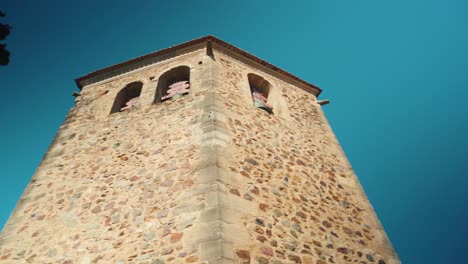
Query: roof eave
column 80, row 82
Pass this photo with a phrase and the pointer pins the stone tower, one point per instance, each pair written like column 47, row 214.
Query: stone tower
column 198, row 153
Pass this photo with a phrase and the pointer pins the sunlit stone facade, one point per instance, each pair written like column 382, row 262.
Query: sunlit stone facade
column 197, row 172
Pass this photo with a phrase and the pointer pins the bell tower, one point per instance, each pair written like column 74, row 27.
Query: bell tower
column 198, row 153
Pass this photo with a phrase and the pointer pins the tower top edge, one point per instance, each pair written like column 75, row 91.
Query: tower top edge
column 172, row 51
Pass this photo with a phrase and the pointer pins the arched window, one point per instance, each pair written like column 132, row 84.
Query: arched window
column 260, row 89
column 127, row 98
column 173, row 84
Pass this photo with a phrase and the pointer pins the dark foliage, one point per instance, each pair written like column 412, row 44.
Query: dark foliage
column 4, row 32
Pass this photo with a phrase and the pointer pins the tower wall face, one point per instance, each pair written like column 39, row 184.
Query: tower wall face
column 205, row 178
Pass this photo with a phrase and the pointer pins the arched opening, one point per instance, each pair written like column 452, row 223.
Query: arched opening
column 260, row 89
column 127, row 98
column 173, row 84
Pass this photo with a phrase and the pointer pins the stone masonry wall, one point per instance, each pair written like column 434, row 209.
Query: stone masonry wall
column 119, row 188
column 206, row 178
column 310, row 207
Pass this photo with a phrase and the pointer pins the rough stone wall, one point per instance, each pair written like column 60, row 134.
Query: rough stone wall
column 309, row 205
column 206, row 178
column 119, row 188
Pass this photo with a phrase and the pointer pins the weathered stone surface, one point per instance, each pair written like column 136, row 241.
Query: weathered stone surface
column 204, row 178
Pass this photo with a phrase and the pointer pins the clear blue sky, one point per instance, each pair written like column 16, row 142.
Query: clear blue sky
column 395, row 71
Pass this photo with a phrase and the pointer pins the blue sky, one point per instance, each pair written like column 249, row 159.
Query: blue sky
column 396, row 73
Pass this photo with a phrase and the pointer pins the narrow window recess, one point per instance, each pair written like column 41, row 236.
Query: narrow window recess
column 259, row 89
column 128, row 97
column 173, row 84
